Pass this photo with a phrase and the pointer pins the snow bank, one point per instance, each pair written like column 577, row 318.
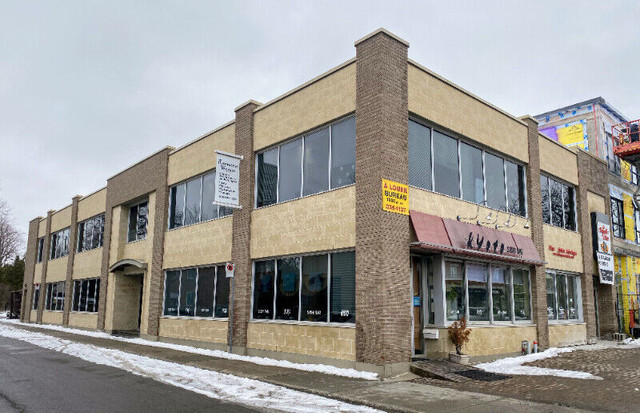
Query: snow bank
column 206, row 382
column 514, row 366
column 263, row 361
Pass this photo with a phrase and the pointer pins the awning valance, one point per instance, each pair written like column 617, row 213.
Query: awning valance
column 446, row 235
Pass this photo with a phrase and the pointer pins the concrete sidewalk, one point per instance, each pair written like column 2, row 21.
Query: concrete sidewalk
column 394, row 395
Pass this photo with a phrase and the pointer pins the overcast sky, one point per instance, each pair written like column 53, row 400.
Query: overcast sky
column 88, row 88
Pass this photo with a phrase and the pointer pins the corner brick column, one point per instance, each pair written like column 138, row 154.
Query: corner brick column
column 45, row 261
column 73, row 244
column 534, row 207
column 30, row 258
column 383, row 272
column 607, row 294
column 104, row 268
column 241, row 236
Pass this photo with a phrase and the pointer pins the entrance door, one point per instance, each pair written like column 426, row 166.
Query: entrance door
column 417, row 304
column 595, row 301
column 140, row 300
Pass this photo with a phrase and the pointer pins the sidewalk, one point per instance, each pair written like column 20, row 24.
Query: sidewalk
column 393, row 395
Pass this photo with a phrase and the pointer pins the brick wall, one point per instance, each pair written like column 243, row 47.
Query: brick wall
column 45, row 264
column 73, row 241
column 29, row 270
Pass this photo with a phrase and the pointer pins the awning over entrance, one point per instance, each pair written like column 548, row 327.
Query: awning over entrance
column 449, row 236
column 122, row 264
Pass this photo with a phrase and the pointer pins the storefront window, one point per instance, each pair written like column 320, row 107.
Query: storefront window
column 454, row 290
column 563, row 296
column 500, row 292
column 478, row 292
column 521, row 295
column 314, row 288
column 263, row 289
column 551, row 297
column 288, row 288
column 561, row 292
column 572, row 297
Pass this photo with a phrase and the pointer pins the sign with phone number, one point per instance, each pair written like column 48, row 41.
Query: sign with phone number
column 395, row 197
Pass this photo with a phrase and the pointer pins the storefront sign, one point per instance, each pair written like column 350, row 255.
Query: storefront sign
column 395, row 197
column 562, row 252
column 483, row 242
column 605, row 267
column 227, row 179
column 601, row 233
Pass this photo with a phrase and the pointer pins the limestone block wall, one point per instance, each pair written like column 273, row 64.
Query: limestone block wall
column 327, row 97
column 448, row 105
column 124, row 315
column 33, row 315
column 561, row 238
column 87, row 264
column 92, row 204
column 485, row 340
column 57, row 269
column 37, row 275
column 211, row 331
column 83, row 320
column 52, row 317
column 61, row 219
column 557, row 160
column 324, row 341
column 204, row 243
column 42, row 228
column 596, row 203
column 567, row 334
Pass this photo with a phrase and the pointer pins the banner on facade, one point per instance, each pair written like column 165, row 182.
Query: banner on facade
column 227, row 180
column 395, row 197
column 601, row 233
column 605, row 267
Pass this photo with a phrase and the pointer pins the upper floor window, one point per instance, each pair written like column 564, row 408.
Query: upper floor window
column 59, row 244
column 192, row 202
column 90, row 233
column 617, row 218
column 138, row 217
column 321, row 160
column 612, row 160
column 455, row 168
column 558, row 203
column 40, row 254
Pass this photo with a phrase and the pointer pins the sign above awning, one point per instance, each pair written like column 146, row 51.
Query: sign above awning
column 446, row 235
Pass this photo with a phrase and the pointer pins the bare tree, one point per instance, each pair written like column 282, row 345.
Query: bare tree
column 10, row 237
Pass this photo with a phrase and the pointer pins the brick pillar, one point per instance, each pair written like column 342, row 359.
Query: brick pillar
column 607, row 294
column 383, row 274
column 534, row 207
column 45, row 261
column 104, row 269
column 241, row 237
column 30, row 258
column 73, row 243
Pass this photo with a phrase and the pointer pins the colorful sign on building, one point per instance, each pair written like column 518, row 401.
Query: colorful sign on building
column 395, row 197
column 601, row 233
column 569, row 134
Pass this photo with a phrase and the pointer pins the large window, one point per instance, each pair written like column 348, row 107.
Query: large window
column 563, row 296
column 36, row 297
column 458, row 169
column 85, row 295
column 90, row 233
column 309, row 288
column 55, row 296
column 59, row 244
column 191, row 202
column 199, row 292
column 138, row 217
column 322, row 160
column 40, row 253
column 558, row 203
column 617, row 218
column 486, row 293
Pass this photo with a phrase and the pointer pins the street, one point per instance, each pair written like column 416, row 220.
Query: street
column 33, row 379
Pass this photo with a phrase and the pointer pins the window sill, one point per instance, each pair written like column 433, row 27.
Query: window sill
column 496, row 324
column 563, row 229
column 83, row 312
column 302, row 197
column 136, row 240
column 566, row 322
column 59, row 258
column 198, row 223
column 54, row 311
column 188, row 317
column 92, row 249
column 305, row 323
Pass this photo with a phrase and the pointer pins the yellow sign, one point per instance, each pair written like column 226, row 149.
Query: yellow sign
column 395, row 197
column 571, row 135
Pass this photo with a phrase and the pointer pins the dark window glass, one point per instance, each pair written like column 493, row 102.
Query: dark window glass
column 40, row 249
column 206, row 282
column 515, row 188
column 572, row 297
column 97, row 295
column 222, row 293
column 267, row 178
column 569, row 211
column 99, row 230
column 419, row 155
column 47, row 302
column 561, row 291
column 209, row 209
column 501, row 294
column 316, row 162
column 77, row 290
column 263, row 289
column 556, row 203
column 343, row 153
column 176, row 215
column 494, row 170
column 445, row 164
column 546, row 209
column 552, row 311
column 521, row 295
column 314, row 288
column 192, row 208
column 454, row 291
column 81, row 236
column 290, row 170
column 83, row 297
column 188, row 292
column 471, row 167
column 171, row 292
column 343, row 287
column 133, row 223
column 478, row 286
column 617, row 218
column 92, row 299
column 288, row 288
column 143, row 210
column 88, row 235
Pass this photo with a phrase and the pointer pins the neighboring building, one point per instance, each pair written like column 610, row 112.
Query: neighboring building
column 323, row 273
column 588, row 125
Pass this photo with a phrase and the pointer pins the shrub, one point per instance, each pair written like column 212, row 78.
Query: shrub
column 459, row 334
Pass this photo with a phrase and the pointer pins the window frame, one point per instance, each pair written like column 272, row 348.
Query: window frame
column 49, row 298
column 54, row 238
column 79, row 244
column 95, row 295
column 302, row 137
column 137, row 205
column 620, row 214
column 40, row 250
column 578, row 290
column 195, row 303
column 563, row 184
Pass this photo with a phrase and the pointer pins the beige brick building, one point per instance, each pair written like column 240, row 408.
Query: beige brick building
column 323, row 272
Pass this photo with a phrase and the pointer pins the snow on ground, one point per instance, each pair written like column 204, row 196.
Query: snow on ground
column 631, row 342
column 212, row 384
column 318, row 368
column 4, row 314
column 514, row 366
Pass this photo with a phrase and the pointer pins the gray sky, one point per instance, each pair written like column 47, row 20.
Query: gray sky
column 88, row 88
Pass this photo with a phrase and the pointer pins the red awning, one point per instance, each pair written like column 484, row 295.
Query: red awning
column 446, row 235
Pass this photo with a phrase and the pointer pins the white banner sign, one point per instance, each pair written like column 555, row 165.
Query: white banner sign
column 227, row 179
column 605, row 267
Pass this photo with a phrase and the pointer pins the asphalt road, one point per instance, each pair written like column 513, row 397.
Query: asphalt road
column 33, row 379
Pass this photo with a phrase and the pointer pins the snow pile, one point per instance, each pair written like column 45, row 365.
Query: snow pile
column 209, row 383
column 4, row 314
column 263, row 361
column 514, row 366
column 631, row 342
